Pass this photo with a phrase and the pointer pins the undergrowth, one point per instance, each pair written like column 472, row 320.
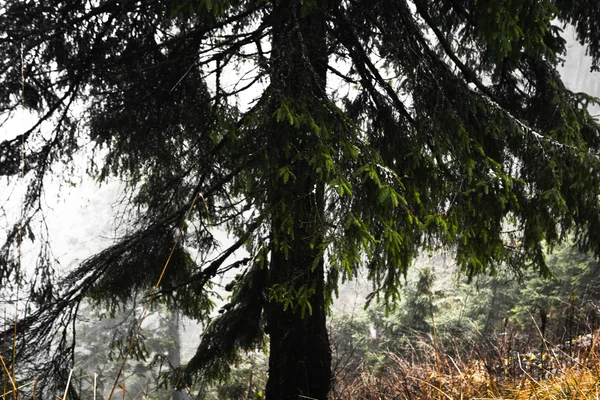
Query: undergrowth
column 474, row 370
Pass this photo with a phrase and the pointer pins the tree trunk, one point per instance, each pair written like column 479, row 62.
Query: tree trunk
column 300, row 356
column 174, row 346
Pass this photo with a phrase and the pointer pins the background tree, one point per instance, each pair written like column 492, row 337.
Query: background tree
column 103, row 340
column 376, row 128
column 565, row 306
column 491, row 323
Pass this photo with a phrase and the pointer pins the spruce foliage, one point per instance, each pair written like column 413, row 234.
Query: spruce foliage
column 325, row 136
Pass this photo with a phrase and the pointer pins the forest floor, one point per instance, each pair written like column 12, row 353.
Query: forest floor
column 494, row 371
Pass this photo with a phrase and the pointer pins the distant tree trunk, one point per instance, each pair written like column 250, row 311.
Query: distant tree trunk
column 544, row 322
column 174, row 348
column 490, row 319
column 300, row 356
column 174, row 353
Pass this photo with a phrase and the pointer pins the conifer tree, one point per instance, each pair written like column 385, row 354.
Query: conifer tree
column 326, row 136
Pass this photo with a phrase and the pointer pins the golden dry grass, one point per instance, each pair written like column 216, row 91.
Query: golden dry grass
column 553, row 375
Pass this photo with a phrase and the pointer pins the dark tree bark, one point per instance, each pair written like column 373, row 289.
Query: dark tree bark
column 300, row 356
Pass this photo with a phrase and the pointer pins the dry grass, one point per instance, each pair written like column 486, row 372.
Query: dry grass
column 481, row 373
